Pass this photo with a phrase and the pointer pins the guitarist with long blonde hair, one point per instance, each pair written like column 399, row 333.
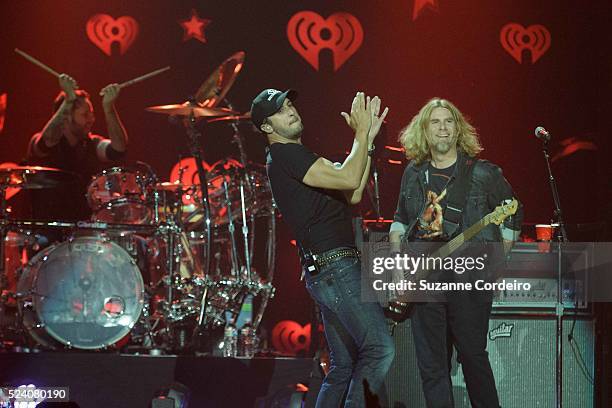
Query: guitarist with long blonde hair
column 445, row 189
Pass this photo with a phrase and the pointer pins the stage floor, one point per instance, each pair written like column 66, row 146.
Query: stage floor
column 131, row 381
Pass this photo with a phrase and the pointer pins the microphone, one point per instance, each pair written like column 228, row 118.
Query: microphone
column 542, row 134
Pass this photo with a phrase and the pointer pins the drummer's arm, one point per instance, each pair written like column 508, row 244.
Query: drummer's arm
column 53, row 131
column 106, row 152
column 116, row 131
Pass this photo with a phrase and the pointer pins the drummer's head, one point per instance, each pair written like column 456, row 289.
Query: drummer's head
column 273, row 113
column 82, row 116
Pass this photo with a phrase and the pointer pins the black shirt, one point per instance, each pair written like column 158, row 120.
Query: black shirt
column 67, row 202
column 319, row 218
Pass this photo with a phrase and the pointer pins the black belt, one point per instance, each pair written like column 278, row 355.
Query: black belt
column 328, row 257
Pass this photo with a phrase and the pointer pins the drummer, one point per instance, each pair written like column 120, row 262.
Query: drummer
column 66, row 143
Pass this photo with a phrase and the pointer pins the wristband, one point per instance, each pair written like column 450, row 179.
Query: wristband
column 371, row 150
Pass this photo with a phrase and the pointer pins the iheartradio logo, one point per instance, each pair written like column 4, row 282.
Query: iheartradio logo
column 515, row 39
column 309, row 33
column 289, row 337
column 103, row 31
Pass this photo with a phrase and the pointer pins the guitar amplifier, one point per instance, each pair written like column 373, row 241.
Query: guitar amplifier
column 522, row 355
column 530, row 263
column 541, row 295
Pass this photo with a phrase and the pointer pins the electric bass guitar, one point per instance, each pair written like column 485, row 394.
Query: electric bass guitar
column 398, row 310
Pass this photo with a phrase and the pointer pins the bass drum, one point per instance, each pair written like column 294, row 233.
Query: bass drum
column 85, row 293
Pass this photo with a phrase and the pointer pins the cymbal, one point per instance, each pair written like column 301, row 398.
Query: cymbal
column 233, row 118
column 34, row 177
column 186, row 109
column 216, row 86
column 171, row 186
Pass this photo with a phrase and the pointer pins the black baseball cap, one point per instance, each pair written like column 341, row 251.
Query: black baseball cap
column 267, row 103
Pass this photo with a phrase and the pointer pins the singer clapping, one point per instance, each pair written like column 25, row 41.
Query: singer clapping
column 313, row 196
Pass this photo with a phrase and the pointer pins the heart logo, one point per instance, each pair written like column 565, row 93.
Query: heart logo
column 515, row 38
column 309, row 33
column 289, row 337
column 103, row 31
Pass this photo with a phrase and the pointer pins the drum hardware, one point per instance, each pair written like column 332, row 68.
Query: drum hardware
column 231, row 229
column 118, row 195
column 190, row 109
column 24, row 177
column 33, row 177
column 89, row 305
column 133, row 210
column 236, row 119
column 243, row 176
column 218, row 84
column 204, row 104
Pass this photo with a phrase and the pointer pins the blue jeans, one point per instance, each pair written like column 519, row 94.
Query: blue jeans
column 361, row 348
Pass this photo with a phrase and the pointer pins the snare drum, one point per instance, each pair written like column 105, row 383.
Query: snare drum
column 118, row 195
column 85, row 293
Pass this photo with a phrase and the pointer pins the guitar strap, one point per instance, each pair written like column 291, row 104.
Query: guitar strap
column 457, row 196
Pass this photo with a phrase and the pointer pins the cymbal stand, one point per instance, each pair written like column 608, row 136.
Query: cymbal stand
column 232, row 230
column 268, row 289
column 244, row 176
column 244, row 180
column 173, row 254
column 196, row 152
column 238, row 141
column 3, row 277
column 237, row 137
column 245, row 232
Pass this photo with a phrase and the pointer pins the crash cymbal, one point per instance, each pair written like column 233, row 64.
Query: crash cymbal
column 34, row 177
column 186, row 109
column 233, row 118
column 214, row 89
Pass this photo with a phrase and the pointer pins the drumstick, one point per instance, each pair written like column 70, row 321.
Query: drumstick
column 143, row 77
column 36, row 62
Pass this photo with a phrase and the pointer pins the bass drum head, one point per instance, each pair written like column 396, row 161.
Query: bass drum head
column 86, row 293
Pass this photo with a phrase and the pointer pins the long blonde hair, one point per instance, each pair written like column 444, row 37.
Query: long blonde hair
column 413, row 139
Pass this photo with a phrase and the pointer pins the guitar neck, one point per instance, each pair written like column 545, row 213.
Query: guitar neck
column 460, row 239
column 452, row 245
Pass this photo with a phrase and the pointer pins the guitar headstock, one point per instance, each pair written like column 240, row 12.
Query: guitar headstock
column 503, row 211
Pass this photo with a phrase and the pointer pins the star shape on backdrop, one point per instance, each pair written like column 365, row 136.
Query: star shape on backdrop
column 194, row 27
column 419, row 5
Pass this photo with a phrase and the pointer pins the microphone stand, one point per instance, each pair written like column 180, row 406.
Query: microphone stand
column 376, row 158
column 561, row 238
column 376, row 189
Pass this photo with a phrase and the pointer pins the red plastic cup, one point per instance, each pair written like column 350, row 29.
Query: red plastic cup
column 544, row 232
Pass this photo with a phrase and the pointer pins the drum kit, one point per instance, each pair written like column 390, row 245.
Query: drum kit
column 161, row 265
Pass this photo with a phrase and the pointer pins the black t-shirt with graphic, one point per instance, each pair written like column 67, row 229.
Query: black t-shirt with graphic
column 319, row 218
